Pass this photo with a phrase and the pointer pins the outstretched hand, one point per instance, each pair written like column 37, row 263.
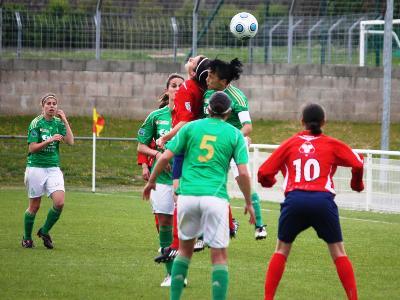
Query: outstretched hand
column 248, row 209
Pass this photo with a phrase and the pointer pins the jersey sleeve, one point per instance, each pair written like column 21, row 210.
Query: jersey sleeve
column 267, row 171
column 178, row 142
column 183, row 105
column 241, row 107
column 240, row 154
column 346, row 157
column 146, row 132
column 33, row 135
column 142, row 159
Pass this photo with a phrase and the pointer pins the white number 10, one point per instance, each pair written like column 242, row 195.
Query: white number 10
column 307, row 169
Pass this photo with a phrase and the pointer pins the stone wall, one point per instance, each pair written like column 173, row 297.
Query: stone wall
column 130, row 89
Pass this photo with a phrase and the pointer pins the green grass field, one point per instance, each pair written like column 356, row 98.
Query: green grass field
column 105, row 244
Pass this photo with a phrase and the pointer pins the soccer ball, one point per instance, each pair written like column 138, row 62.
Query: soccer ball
column 244, row 25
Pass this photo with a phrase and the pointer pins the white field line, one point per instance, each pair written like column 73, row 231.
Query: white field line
column 345, row 218
column 263, row 209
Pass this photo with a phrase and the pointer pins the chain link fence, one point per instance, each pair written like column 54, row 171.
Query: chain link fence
column 298, row 32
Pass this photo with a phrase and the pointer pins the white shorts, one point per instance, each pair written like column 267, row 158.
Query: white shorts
column 207, row 215
column 39, row 181
column 162, row 199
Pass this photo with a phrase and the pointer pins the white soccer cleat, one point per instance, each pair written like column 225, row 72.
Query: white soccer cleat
column 260, row 233
column 166, row 282
column 199, row 246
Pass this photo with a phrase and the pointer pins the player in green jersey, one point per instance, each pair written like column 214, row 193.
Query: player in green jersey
column 208, row 145
column 156, row 125
column 220, row 75
column 43, row 174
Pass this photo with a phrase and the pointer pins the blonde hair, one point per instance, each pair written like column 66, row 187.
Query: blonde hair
column 47, row 96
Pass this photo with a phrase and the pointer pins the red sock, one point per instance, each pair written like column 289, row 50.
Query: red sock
column 175, row 240
column 231, row 225
column 274, row 274
column 157, row 225
column 346, row 275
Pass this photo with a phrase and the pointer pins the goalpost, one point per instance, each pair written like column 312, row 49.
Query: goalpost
column 364, row 31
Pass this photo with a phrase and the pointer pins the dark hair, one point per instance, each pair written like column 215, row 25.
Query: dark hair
column 164, row 98
column 202, row 70
column 313, row 117
column 229, row 71
column 219, row 104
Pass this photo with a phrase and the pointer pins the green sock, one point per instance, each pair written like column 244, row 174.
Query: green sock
column 255, row 200
column 165, row 240
column 220, row 280
column 52, row 217
column 29, row 219
column 179, row 273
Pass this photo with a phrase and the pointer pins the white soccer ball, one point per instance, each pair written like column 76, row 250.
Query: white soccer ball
column 244, row 25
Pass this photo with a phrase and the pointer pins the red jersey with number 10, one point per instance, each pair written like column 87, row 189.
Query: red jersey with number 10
column 188, row 103
column 308, row 162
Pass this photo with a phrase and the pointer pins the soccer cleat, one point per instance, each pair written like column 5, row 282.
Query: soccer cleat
column 199, row 245
column 166, row 282
column 233, row 231
column 27, row 243
column 167, row 254
column 47, row 242
column 261, row 232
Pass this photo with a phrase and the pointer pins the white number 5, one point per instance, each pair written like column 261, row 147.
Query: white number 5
column 310, row 163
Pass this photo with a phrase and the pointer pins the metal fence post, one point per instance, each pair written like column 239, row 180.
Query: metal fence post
column 175, row 36
column 369, row 182
column 1, row 30
column 194, row 29
column 350, row 41
column 19, row 39
column 290, row 37
column 270, row 40
column 330, row 38
column 97, row 22
column 309, row 33
column 254, row 169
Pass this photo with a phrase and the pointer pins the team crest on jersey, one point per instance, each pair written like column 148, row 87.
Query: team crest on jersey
column 306, row 148
column 188, row 106
column 141, row 132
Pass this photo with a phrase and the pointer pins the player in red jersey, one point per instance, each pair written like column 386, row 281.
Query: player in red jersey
column 188, row 107
column 308, row 161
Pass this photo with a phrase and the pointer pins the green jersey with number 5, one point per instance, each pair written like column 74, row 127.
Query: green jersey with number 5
column 239, row 105
column 41, row 130
column 209, row 145
column 157, row 124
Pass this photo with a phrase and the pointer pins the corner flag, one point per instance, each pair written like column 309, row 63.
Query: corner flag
column 98, row 122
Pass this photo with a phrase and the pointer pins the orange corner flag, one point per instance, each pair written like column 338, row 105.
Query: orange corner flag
column 98, row 122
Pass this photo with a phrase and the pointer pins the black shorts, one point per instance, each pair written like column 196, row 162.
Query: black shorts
column 177, row 166
column 304, row 209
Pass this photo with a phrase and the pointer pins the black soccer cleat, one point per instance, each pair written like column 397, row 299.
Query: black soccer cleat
column 27, row 243
column 47, row 242
column 167, row 254
column 260, row 232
